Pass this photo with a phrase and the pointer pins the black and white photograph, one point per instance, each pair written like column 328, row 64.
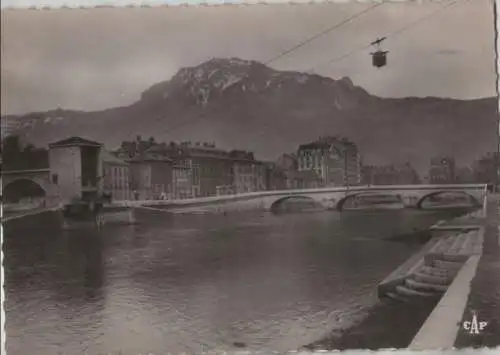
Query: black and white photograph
column 266, row 178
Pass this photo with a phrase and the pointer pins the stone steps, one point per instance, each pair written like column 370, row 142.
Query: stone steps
column 440, row 266
column 448, row 265
column 432, row 279
column 425, row 286
column 457, row 243
column 396, row 297
column 432, row 271
column 455, row 258
column 443, row 245
column 408, row 292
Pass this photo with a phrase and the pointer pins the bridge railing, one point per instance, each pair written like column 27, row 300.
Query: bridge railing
column 268, row 193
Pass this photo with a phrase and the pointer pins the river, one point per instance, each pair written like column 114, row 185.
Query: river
column 192, row 283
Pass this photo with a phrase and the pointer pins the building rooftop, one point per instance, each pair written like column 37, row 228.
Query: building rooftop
column 109, row 157
column 75, row 141
column 149, row 157
column 328, row 142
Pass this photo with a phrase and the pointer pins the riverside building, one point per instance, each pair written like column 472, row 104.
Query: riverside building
column 336, row 161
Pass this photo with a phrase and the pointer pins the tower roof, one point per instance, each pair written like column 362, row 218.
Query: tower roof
column 75, row 142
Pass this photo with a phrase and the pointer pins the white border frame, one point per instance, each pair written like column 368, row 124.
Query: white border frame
column 54, row 4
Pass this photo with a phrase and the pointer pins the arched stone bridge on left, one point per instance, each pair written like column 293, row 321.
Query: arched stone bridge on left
column 411, row 196
column 33, row 183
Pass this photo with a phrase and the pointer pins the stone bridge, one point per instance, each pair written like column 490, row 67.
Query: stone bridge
column 412, row 196
column 36, row 181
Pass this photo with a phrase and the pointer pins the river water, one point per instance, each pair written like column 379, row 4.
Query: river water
column 192, row 283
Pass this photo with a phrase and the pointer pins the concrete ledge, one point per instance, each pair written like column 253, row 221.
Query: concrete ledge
column 441, row 328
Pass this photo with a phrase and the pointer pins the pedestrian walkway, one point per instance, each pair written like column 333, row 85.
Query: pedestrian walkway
column 484, row 298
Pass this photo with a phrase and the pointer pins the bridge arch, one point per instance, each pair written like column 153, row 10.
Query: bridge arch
column 17, row 189
column 340, row 204
column 279, row 202
column 473, row 199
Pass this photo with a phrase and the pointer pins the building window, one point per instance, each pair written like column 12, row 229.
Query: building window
column 55, row 179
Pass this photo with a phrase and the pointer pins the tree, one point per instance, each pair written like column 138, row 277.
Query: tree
column 11, row 144
column 15, row 158
column 11, row 153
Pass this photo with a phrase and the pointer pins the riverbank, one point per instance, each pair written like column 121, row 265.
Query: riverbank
column 12, row 215
column 484, row 298
column 389, row 324
column 45, row 218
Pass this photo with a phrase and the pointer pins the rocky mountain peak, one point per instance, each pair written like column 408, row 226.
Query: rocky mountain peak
column 203, row 81
column 347, row 82
column 215, row 77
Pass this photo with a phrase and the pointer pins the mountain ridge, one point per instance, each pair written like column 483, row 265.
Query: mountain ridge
column 244, row 104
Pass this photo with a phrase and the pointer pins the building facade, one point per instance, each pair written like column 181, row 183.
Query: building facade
column 249, row 175
column 485, row 169
column 287, row 162
column 182, row 181
column 442, row 170
column 210, row 169
column 403, row 174
column 275, row 177
column 116, row 175
column 196, row 170
column 305, row 179
column 465, row 175
column 210, row 173
column 335, row 160
column 151, row 177
column 76, row 168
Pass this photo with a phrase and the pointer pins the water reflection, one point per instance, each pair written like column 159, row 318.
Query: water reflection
column 54, row 285
column 199, row 283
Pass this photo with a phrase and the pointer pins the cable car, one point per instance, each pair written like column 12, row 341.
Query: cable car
column 379, row 57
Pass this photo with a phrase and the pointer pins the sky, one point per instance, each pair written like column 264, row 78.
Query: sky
column 93, row 59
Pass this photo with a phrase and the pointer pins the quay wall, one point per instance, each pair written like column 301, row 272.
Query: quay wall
column 438, row 232
column 234, row 205
column 442, row 327
column 53, row 218
column 41, row 219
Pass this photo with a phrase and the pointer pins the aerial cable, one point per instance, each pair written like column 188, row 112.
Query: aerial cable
column 325, row 32
column 393, row 34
